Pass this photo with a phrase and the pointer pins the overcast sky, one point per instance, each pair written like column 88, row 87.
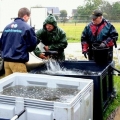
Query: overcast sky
column 62, row 4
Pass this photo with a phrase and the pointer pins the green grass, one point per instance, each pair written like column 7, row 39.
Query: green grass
column 116, row 102
column 74, row 31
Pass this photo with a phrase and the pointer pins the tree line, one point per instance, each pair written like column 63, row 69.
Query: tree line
column 111, row 11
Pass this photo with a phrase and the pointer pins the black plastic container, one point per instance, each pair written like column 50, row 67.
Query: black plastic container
column 103, row 82
column 100, row 55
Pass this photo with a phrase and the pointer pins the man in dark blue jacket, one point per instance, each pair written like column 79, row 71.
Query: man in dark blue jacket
column 17, row 40
column 98, row 31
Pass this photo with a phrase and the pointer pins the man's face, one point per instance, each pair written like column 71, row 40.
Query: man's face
column 26, row 18
column 49, row 27
column 97, row 20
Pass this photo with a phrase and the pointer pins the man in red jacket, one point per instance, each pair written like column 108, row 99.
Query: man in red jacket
column 99, row 31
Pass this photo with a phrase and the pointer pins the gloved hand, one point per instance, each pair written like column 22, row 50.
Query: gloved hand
column 42, row 56
column 102, row 45
column 85, row 49
column 85, row 54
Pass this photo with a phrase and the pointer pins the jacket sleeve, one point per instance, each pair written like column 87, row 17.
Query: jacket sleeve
column 37, row 51
column 84, row 40
column 31, row 40
column 61, row 43
column 38, row 35
column 113, row 36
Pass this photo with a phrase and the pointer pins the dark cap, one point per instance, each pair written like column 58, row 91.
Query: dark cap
column 96, row 13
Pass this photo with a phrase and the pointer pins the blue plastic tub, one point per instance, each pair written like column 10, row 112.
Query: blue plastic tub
column 103, row 82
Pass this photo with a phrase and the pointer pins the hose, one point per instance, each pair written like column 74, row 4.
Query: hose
column 18, row 115
column 118, row 71
column 115, row 69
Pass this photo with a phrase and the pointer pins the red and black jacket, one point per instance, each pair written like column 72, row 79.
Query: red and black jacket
column 104, row 32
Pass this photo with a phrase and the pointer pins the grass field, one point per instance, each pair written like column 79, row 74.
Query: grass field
column 74, row 31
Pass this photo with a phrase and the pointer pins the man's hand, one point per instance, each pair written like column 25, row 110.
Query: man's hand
column 46, row 48
column 102, row 45
column 85, row 54
column 42, row 56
